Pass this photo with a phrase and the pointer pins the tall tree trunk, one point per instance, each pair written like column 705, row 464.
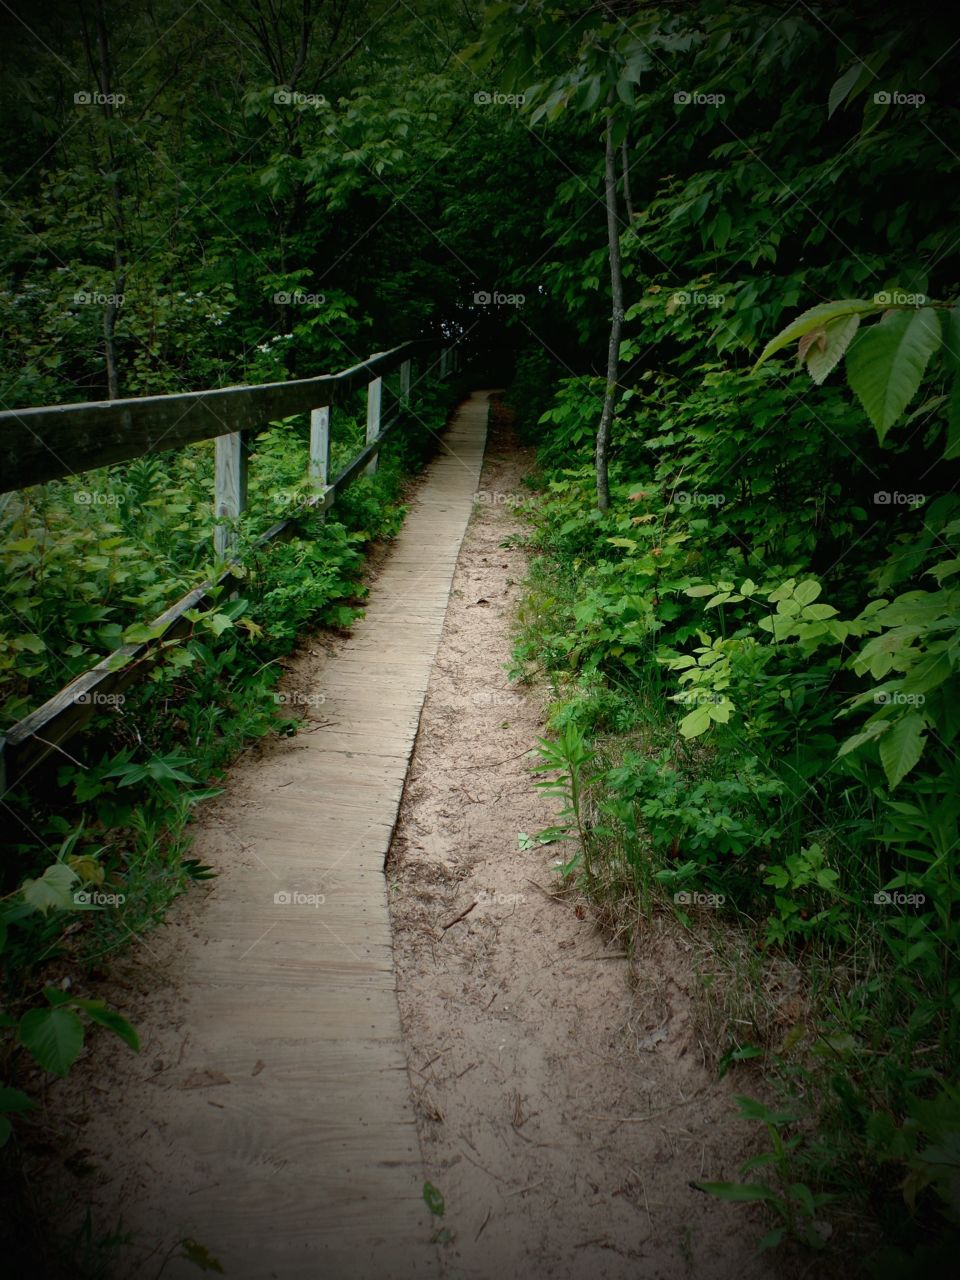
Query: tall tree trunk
column 625, row 165
column 99, row 64
column 616, row 318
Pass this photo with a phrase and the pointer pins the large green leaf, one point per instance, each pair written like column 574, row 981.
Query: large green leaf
column 817, row 317
column 53, row 1036
column 886, row 361
column 902, row 747
column 695, row 723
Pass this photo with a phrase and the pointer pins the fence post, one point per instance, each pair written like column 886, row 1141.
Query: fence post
column 405, row 369
column 374, row 402
column 230, row 488
column 319, row 447
column 443, row 362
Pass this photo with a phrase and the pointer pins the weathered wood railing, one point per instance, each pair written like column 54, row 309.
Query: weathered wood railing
column 37, row 445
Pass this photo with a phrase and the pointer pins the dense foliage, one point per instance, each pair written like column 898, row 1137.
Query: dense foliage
column 777, row 564
column 753, row 642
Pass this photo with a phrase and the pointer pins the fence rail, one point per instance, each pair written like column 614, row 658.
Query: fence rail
column 38, row 445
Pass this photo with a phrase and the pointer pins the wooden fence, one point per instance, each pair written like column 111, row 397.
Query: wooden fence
column 37, row 445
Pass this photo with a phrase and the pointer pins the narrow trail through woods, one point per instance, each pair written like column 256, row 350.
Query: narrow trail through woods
column 284, row 1112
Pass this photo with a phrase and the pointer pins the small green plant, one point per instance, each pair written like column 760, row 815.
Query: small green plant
column 793, row 1202
column 567, row 759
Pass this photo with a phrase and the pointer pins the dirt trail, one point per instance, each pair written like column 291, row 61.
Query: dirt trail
column 562, row 1115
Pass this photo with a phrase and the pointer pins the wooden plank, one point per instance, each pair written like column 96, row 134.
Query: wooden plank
column 230, row 490
column 48, row 443
column 374, row 406
column 319, row 446
column 307, row 1162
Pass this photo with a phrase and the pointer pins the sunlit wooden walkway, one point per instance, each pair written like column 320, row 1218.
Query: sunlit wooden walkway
column 307, row 1164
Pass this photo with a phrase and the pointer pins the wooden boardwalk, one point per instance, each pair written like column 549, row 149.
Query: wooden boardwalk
column 308, row 1164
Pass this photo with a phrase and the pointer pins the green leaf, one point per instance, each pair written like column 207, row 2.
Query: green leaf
column 98, row 1012
column 53, row 1036
column 842, row 87
column 885, row 364
column 53, row 890
column 824, row 353
column 807, row 591
column 13, row 1101
column 32, row 643
column 771, row 1239
column 871, row 732
column 143, row 633
column 433, row 1198
column 815, row 318
column 218, row 623
column 697, row 722
column 902, row 747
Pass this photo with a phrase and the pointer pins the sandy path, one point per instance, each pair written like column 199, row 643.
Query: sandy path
column 561, row 1115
